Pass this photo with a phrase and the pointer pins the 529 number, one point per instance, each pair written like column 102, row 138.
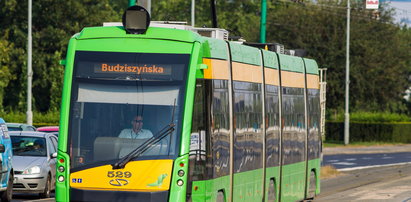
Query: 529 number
column 119, row 174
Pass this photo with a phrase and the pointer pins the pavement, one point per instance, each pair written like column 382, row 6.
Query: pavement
column 367, row 149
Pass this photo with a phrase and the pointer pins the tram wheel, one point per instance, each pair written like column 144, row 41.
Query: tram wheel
column 272, row 194
column 220, row 196
column 312, row 186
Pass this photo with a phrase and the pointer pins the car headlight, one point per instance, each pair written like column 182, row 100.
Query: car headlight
column 32, row 170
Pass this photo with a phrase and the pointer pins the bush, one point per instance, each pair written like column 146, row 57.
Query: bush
column 373, row 117
column 39, row 119
column 370, row 132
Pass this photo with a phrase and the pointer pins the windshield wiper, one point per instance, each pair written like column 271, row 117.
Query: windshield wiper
column 168, row 129
column 144, row 147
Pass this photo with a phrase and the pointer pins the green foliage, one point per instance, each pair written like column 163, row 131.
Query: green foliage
column 54, row 22
column 370, row 132
column 334, row 143
column 371, row 127
column 379, row 51
column 39, row 118
column 380, row 61
column 373, row 117
column 5, row 74
column 241, row 18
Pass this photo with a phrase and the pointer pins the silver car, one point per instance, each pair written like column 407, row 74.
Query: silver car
column 34, row 162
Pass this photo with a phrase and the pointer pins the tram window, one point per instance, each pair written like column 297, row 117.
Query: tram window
column 220, row 129
column 199, row 124
column 97, row 132
column 211, row 118
column 248, row 131
column 131, row 94
column 294, row 128
column 272, row 126
column 102, row 111
column 314, row 138
column 109, row 89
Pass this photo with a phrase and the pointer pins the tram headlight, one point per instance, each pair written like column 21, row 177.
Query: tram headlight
column 181, row 173
column 61, row 169
column 60, row 178
column 180, row 182
column 136, row 20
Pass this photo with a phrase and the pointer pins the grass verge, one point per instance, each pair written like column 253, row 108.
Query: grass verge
column 329, row 171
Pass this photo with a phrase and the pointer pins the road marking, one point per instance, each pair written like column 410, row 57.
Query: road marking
column 344, row 163
column 351, row 159
column 375, row 166
column 366, row 158
column 332, row 161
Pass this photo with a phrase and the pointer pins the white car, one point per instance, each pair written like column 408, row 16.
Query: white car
column 34, row 162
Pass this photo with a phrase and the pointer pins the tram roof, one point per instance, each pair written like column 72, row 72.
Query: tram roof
column 152, row 33
column 240, row 53
column 311, row 66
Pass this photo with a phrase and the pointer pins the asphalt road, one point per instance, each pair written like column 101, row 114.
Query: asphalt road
column 375, row 173
column 391, row 183
column 346, row 162
column 18, row 197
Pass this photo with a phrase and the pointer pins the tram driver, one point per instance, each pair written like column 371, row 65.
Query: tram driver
column 137, row 131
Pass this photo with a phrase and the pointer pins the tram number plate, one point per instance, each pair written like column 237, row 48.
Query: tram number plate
column 119, row 174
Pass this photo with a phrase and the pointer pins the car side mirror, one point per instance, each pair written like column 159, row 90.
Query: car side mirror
column 54, row 155
column 2, row 148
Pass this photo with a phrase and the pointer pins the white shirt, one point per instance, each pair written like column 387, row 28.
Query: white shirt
column 129, row 133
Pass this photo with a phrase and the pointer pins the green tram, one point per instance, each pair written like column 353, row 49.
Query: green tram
column 229, row 122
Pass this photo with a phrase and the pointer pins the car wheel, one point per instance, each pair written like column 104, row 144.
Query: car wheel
column 7, row 195
column 47, row 188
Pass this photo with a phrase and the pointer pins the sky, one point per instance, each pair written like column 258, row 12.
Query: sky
column 403, row 10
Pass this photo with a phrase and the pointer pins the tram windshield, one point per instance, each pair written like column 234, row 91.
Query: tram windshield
column 120, row 100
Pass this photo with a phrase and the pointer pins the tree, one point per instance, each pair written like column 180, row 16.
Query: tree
column 5, row 74
column 379, row 53
column 380, row 50
column 240, row 17
column 54, row 22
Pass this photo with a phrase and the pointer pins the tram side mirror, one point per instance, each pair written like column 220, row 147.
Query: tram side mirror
column 2, row 148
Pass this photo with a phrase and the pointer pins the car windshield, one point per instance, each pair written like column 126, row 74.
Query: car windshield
column 120, row 100
column 29, row 146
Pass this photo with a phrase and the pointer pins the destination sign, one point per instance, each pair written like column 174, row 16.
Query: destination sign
column 131, row 66
column 132, row 69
